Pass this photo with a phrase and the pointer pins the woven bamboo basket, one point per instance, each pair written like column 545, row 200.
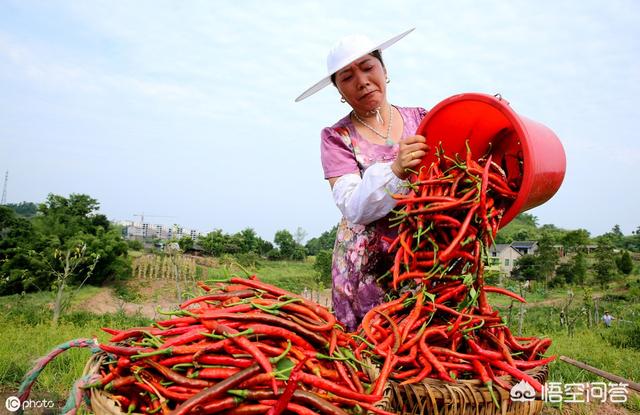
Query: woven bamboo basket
column 465, row 397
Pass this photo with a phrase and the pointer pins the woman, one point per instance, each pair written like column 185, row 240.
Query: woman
column 366, row 157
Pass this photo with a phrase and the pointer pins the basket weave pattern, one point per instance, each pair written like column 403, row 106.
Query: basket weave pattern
column 465, row 397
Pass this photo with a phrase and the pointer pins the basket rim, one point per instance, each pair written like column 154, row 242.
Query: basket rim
column 440, row 393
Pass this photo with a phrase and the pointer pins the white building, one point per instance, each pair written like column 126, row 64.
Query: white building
column 142, row 231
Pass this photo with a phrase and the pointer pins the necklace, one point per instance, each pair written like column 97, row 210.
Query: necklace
column 387, row 138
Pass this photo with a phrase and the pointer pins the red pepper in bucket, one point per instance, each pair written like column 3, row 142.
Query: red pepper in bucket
column 529, row 153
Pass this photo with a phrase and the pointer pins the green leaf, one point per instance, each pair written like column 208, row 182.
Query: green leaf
column 285, row 366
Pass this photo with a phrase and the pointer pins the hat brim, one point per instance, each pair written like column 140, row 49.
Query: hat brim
column 327, row 79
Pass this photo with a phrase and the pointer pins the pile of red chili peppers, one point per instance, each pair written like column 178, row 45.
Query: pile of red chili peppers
column 245, row 347
column 440, row 324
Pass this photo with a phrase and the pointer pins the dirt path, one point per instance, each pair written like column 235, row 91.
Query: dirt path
column 106, row 302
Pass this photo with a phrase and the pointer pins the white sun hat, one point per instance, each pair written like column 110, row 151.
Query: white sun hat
column 347, row 50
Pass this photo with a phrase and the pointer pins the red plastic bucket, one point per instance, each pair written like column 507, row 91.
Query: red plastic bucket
column 529, row 152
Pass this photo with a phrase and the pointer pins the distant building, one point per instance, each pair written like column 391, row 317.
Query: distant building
column 143, row 231
column 525, row 247
column 504, row 257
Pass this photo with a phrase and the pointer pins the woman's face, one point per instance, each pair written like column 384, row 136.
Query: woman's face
column 363, row 84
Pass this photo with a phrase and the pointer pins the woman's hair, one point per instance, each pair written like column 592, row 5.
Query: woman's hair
column 376, row 54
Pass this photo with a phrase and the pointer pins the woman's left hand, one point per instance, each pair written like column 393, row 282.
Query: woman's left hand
column 410, row 153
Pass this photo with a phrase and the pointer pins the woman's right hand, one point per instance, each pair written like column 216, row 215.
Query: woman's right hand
column 410, row 153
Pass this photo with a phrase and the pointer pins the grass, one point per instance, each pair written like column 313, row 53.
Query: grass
column 27, row 334
column 293, row 276
column 615, row 350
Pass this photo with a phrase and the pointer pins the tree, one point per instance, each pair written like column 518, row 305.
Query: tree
column 299, row 235
column 632, row 242
column 555, row 234
column 528, row 219
column 249, row 241
column 526, row 268
column 135, row 245
column 299, row 253
column 624, row 263
column 574, row 240
column 564, row 275
column 63, row 224
column 547, row 257
column 24, row 209
column 112, row 251
column 232, row 244
column 285, row 242
column 67, row 265
column 324, row 242
column 264, row 247
column 614, row 237
column 579, row 267
column 522, row 228
column 523, row 235
column 17, row 238
column 322, row 267
column 213, row 243
column 186, row 243
column 605, row 266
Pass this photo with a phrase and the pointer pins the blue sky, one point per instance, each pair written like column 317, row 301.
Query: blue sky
column 185, row 108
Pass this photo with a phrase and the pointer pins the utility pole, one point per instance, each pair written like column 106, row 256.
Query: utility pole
column 3, row 201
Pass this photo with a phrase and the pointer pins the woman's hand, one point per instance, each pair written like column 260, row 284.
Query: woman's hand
column 410, row 154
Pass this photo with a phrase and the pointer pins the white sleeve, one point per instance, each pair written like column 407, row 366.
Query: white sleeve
column 365, row 199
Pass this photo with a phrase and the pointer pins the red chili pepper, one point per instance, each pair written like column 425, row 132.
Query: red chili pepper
column 446, row 254
column 335, row 388
column 345, row 376
column 504, row 349
column 195, row 334
column 245, row 344
column 120, row 382
column 221, row 405
column 219, row 296
column 124, row 350
column 217, row 372
column 423, row 373
column 316, row 308
column 176, row 377
column 531, row 364
column 285, row 398
column 540, row 348
column 249, row 409
column 444, row 375
column 518, row 374
column 504, row 291
column 488, row 354
column 176, row 321
column 217, row 390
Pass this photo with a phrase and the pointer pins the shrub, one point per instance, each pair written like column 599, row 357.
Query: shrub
column 322, row 267
column 248, row 259
column 135, row 245
column 624, row 334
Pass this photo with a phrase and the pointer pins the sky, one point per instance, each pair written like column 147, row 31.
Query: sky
column 184, row 110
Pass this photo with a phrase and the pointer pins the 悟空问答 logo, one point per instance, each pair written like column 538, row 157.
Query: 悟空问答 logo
column 522, row 392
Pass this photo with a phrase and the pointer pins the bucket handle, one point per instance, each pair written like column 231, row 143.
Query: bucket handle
column 498, row 95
